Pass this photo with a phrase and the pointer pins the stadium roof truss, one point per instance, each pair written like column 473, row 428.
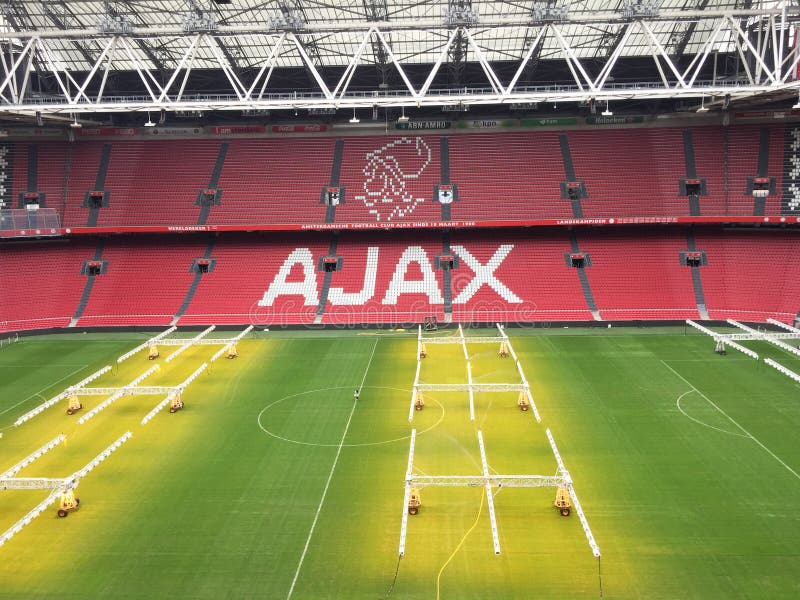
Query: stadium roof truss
column 165, row 46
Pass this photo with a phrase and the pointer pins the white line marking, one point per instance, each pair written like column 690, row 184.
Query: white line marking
column 44, row 389
column 731, row 419
column 343, row 387
column 330, row 476
column 698, row 421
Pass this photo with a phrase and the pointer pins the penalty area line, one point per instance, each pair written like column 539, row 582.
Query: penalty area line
column 330, row 476
column 732, row 420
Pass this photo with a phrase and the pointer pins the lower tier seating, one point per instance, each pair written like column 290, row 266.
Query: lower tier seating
column 401, row 277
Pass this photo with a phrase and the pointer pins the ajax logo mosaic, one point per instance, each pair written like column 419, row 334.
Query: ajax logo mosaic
column 389, row 174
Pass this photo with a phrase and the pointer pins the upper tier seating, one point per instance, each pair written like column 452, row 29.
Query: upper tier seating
column 513, row 175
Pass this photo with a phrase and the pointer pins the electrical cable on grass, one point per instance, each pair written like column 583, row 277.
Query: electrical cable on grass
column 461, row 543
column 394, row 580
column 599, row 577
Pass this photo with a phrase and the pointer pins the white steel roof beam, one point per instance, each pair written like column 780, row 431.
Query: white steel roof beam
column 347, row 76
column 735, row 29
column 442, row 56
column 596, row 18
column 612, row 60
column 187, row 56
column 654, row 41
column 526, row 59
column 494, row 81
column 224, row 64
column 793, row 59
column 311, row 67
column 699, row 60
column 776, row 60
column 476, row 96
column 396, row 63
column 135, row 61
column 13, row 89
column 743, row 59
column 108, row 47
column 269, row 63
column 107, row 69
column 569, row 53
column 48, row 60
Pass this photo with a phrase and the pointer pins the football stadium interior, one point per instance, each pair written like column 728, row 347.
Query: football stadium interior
column 363, row 299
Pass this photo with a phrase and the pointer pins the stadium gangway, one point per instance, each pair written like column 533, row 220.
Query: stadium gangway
column 489, row 482
column 725, row 339
column 57, row 485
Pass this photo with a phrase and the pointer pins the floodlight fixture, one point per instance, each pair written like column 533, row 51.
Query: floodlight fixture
column 607, row 112
column 403, row 118
column 355, row 119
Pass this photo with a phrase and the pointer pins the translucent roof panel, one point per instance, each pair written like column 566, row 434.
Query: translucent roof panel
column 334, row 30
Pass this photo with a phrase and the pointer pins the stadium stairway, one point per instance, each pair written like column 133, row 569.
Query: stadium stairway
column 198, row 276
column 6, row 173
column 447, row 280
column 213, row 181
column 99, row 184
column 759, row 204
column 696, row 281
column 587, row 289
column 336, row 171
column 569, row 171
column 87, row 288
column 691, row 170
column 444, row 173
column 326, row 282
column 33, row 173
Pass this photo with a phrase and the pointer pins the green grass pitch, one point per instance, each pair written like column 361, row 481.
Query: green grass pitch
column 686, row 464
